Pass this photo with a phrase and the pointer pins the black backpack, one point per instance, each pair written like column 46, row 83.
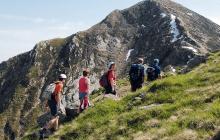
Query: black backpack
column 135, row 72
column 150, row 73
column 103, row 81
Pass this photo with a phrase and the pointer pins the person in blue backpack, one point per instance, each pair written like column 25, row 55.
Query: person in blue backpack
column 154, row 71
column 136, row 75
column 157, row 69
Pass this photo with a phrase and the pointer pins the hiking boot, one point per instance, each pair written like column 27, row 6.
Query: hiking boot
column 42, row 133
column 81, row 110
column 47, row 134
column 52, row 130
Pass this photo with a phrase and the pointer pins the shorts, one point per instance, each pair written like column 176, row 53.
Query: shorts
column 135, row 85
column 53, row 107
column 82, row 95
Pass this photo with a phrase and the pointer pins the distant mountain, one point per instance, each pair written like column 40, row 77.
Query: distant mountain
column 151, row 29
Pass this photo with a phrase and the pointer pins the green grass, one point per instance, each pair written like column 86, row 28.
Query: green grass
column 33, row 72
column 57, row 42
column 186, row 107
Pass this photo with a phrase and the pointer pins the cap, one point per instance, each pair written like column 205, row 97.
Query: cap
column 156, row 61
column 63, row 76
column 110, row 64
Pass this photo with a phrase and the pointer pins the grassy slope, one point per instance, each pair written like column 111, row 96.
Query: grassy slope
column 188, row 107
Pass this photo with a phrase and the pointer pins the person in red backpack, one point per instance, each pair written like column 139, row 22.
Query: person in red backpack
column 54, row 104
column 84, row 86
column 110, row 89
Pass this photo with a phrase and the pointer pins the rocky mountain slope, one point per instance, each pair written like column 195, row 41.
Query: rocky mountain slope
column 150, row 29
column 182, row 107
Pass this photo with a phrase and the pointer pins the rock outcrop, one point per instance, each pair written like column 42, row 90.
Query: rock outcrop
column 150, row 29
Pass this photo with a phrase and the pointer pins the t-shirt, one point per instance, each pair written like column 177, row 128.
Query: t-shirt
column 111, row 75
column 84, row 85
column 57, row 91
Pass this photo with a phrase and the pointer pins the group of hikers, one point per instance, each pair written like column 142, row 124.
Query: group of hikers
column 137, row 74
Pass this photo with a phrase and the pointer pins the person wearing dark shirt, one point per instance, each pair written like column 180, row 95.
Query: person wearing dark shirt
column 154, row 71
column 111, row 76
column 136, row 75
column 157, row 69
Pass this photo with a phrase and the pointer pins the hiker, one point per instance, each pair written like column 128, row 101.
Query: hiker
column 136, row 75
column 54, row 104
column 84, row 86
column 154, row 71
column 111, row 77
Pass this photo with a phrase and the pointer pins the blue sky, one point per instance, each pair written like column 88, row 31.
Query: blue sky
column 23, row 23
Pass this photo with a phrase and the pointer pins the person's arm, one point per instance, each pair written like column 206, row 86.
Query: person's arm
column 142, row 75
column 88, row 85
column 111, row 80
column 112, row 83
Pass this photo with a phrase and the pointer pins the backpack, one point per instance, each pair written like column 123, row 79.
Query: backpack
column 135, row 72
column 48, row 91
column 150, row 73
column 103, row 81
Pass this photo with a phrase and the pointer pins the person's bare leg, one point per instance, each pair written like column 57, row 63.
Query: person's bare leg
column 81, row 102
column 85, row 102
column 50, row 124
column 56, row 123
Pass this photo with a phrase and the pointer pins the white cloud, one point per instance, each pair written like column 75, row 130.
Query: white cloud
column 26, row 19
column 69, row 27
column 16, row 41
